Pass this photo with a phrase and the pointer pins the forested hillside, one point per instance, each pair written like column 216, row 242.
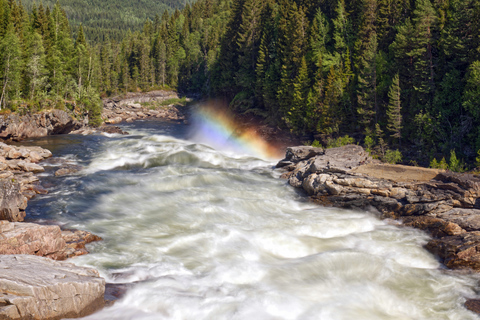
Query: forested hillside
column 109, row 19
column 401, row 74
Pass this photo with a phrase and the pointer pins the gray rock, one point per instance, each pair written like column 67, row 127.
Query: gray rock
column 55, row 290
column 340, row 160
column 38, row 125
column 296, row 154
column 468, row 219
column 27, row 166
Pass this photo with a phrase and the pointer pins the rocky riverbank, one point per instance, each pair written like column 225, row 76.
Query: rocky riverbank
column 444, row 204
column 54, row 290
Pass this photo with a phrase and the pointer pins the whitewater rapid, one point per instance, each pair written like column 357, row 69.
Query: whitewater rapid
column 200, row 233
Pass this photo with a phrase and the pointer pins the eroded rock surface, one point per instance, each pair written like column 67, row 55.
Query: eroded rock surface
column 43, row 240
column 445, row 204
column 18, row 182
column 17, row 127
column 33, row 287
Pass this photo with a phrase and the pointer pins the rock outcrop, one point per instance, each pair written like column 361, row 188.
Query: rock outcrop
column 445, row 204
column 18, row 182
column 141, row 106
column 43, row 240
column 18, row 127
column 38, row 288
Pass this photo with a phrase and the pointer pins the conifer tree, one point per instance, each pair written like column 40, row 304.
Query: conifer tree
column 35, row 64
column 248, row 42
column 366, row 48
column 394, row 109
column 471, row 96
column 9, row 65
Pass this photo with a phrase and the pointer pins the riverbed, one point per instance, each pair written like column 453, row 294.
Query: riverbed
column 200, row 230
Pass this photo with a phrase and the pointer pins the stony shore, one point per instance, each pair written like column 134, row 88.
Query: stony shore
column 54, row 290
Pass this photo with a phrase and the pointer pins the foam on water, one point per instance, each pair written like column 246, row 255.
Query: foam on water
column 198, row 233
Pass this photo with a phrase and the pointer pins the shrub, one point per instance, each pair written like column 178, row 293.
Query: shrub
column 316, row 144
column 393, row 156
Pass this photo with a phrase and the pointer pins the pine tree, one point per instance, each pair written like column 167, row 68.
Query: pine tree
column 35, row 67
column 291, row 46
column 81, row 38
column 297, row 113
column 394, row 109
column 340, row 25
column 471, row 97
column 9, row 66
column 366, row 49
column 248, row 42
column 367, row 82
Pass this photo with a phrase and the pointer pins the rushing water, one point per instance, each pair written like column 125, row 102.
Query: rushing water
column 198, row 233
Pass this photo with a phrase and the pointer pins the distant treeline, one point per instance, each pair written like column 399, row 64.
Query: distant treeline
column 108, row 19
column 391, row 73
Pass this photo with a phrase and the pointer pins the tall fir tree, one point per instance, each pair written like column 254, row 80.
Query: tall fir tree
column 394, row 108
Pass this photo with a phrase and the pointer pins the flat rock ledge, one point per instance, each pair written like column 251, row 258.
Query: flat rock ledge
column 445, row 204
column 33, row 287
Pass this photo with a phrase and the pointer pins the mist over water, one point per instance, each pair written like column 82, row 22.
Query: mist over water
column 200, row 233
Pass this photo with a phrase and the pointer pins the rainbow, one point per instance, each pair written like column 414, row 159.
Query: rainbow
column 215, row 127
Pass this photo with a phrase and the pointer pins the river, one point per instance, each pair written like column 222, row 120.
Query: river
column 204, row 232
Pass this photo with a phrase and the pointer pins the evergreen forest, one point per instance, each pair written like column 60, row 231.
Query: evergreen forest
column 392, row 74
column 108, row 19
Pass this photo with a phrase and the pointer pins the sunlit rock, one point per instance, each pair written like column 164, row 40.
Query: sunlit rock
column 33, row 287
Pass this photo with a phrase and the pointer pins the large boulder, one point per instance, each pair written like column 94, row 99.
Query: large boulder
column 33, row 287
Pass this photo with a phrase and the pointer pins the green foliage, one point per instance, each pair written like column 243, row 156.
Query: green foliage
column 477, row 159
column 369, row 143
column 393, row 156
column 317, row 144
column 454, row 163
column 340, row 141
column 439, row 165
column 110, row 19
column 394, row 109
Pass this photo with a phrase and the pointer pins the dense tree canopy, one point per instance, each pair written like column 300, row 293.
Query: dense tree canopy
column 109, row 19
column 406, row 72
